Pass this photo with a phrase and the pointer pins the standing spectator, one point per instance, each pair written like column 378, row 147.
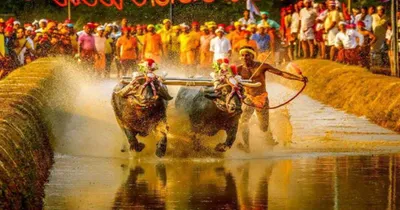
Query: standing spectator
column 205, row 53
column 220, row 46
column 165, row 34
column 127, row 50
column 28, row 35
column 369, row 40
column 100, row 44
column 353, row 17
column 152, row 45
column 246, row 42
column 196, row 34
column 235, row 37
column 331, row 28
column 42, row 26
column 187, row 43
column 2, row 39
column 246, row 20
column 320, row 35
column 109, row 53
column 307, row 34
column 17, row 25
column 346, row 42
column 73, row 37
column 379, row 27
column 22, row 46
column 86, row 47
column 175, row 43
column 263, row 41
column 371, row 10
column 268, row 22
column 140, row 39
column 3, row 55
column 365, row 17
column 294, row 31
column 253, row 29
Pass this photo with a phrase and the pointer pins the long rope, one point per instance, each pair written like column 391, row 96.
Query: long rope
column 280, row 105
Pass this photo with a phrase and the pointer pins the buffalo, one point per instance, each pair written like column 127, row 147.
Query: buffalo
column 141, row 109
column 211, row 110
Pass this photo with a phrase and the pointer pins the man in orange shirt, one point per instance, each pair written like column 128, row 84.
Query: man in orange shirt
column 152, row 46
column 196, row 33
column 127, row 50
column 246, row 42
column 236, row 35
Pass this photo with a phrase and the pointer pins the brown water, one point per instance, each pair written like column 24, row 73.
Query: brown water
column 302, row 182
column 326, row 159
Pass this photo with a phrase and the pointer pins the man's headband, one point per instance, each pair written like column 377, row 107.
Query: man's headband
column 247, row 50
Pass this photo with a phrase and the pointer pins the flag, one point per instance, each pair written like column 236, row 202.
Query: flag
column 252, row 7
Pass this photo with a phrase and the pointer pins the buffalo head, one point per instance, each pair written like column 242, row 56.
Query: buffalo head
column 226, row 97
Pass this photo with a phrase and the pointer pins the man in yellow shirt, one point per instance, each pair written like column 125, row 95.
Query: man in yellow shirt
column 187, row 46
column 165, row 34
column 331, row 27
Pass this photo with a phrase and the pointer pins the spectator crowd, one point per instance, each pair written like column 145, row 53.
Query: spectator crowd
column 306, row 29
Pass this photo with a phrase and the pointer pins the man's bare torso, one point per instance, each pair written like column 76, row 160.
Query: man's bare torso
column 247, row 72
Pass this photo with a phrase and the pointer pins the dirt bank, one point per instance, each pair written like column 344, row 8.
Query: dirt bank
column 352, row 89
column 26, row 154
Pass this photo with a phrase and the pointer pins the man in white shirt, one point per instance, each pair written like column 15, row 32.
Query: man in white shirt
column 307, row 35
column 364, row 17
column 346, row 42
column 246, row 20
column 220, row 46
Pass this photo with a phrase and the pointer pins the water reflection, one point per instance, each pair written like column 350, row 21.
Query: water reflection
column 350, row 182
column 366, row 182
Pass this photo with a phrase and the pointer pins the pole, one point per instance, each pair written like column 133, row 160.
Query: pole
column 395, row 42
column 171, row 10
column 349, row 6
column 69, row 9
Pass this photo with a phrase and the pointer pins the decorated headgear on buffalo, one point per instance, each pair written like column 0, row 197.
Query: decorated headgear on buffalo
column 149, row 64
column 223, row 66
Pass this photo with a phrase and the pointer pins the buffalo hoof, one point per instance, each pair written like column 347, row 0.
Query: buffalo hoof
column 244, row 148
column 138, row 148
column 221, row 147
column 161, row 149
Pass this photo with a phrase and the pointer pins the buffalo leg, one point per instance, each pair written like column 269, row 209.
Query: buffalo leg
column 133, row 142
column 230, row 139
column 162, row 129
